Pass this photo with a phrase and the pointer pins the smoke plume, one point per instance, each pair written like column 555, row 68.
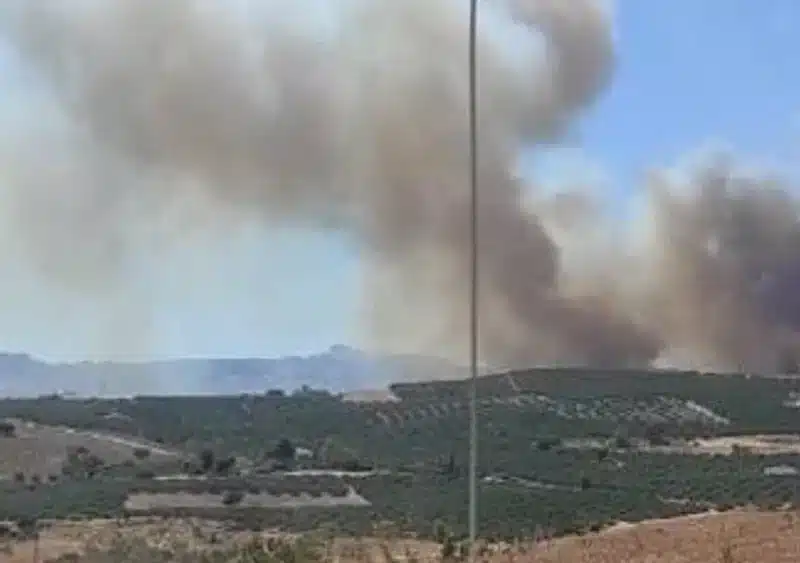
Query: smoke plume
column 182, row 113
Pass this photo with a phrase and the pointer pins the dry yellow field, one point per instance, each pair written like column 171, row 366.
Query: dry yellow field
column 42, row 450
column 734, row 537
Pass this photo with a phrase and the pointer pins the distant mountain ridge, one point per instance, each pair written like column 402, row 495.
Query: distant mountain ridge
column 339, row 369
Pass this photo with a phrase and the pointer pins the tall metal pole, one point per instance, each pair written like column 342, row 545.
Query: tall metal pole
column 473, row 299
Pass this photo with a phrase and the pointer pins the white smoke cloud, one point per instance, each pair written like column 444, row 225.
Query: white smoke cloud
column 183, row 117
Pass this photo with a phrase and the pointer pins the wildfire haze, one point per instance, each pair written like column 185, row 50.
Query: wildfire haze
column 180, row 117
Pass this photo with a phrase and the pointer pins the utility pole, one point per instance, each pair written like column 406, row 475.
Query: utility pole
column 473, row 301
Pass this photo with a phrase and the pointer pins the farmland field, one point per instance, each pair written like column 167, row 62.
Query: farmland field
column 561, row 451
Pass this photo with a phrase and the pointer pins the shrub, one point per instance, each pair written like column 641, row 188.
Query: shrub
column 622, row 443
column 207, row 460
column 547, row 444
column 225, row 465
column 7, row 429
column 231, row 498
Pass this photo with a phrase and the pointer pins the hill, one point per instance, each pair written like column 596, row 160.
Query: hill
column 339, row 369
column 560, row 450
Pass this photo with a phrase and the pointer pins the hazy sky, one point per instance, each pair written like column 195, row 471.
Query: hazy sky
column 690, row 73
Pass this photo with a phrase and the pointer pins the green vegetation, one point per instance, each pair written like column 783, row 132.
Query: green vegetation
column 7, row 429
column 559, row 450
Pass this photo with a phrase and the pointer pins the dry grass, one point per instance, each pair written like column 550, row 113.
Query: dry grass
column 735, row 537
column 41, row 450
column 761, row 444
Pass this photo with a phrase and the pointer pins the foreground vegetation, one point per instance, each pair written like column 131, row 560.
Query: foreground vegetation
column 735, row 537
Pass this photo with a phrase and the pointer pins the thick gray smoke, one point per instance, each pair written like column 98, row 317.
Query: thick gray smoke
column 357, row 121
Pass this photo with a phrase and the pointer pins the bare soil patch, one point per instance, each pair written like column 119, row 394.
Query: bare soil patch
column 42, row 450
column 736, row 537
column 766, row 444
column 773, row 444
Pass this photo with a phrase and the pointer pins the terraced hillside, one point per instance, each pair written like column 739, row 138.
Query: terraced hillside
column 565, row 450
column 569, row 402
column 741, row 402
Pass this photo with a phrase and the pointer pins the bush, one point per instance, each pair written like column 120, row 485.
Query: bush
column 284, row 451
column 207, row 460
column 7, row 429
column 622, row 443
column 225, row 465
column 547, row 444
column 231, row 498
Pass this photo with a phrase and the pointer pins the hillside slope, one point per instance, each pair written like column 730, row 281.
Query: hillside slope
column 568, row 450
column 43, row 450
column 338, row 369
column 738, row 537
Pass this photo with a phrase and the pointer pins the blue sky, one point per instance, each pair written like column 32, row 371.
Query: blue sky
column 690, row 73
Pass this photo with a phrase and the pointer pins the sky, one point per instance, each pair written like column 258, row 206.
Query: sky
column 689, row 74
